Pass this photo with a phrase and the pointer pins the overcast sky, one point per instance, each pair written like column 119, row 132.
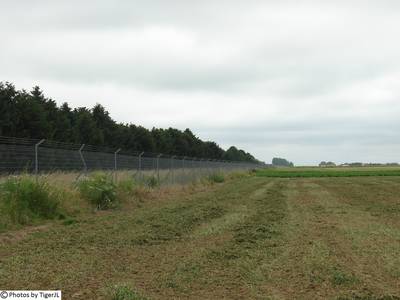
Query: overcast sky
column 305, row 80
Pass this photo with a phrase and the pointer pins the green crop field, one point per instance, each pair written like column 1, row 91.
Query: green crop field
column 329, row 172
column 245, row 237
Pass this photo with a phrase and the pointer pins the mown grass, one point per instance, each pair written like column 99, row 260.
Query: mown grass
column 328, row 172
column 111, row 246
column 339, row 247
column 248, row 232
column 248, row 237
column 173, row 222
column 259, row 227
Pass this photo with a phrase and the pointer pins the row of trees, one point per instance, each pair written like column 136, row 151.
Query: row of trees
column 32, row 115
column 357, row 164
column 327, row 164
column 281, row 162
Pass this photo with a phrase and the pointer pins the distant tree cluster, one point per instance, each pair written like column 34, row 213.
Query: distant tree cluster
column 360, row 164
column 32, row 115
column 281, row 162
column 393, row 164
column 357, row 164
column 327, row 164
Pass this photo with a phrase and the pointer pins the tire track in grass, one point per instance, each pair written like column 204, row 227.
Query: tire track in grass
column 378, row 196
column 231, row 268
column 185, row 267
column 320, row 261
column 370, row 228
column 238, row 212
column 303, row 269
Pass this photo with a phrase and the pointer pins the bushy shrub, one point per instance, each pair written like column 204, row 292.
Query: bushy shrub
column 26, row 199
column 127, row 185
column 216, row 177
column 99, row 189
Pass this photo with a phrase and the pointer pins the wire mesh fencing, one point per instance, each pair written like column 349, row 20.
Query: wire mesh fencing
column 37, row 157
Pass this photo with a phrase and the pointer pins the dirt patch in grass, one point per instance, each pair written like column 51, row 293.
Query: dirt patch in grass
column 18, row 235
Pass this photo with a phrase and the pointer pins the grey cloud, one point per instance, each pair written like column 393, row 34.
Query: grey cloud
column 297, row 78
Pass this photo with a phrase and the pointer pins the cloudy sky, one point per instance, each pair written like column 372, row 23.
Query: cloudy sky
column 305, row 80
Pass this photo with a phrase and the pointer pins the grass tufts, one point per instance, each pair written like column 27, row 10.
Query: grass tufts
column 152, row 182
column 127, row 185
column 25, row 199
column 216, row 178
column 124, row 292
column 238, row 175
column 341, row 278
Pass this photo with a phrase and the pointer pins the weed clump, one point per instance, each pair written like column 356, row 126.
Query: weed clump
column 124, row 292
column 341, row 278
column 69, row 221
column 216, row 178
column 127, row 185
column 152, row 182
column 100, row 190
column 26, row 199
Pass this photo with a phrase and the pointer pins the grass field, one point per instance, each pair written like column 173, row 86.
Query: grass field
column 250, row 237
column 308, row 172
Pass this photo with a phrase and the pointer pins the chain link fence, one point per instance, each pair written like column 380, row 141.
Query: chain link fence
column 35, row 156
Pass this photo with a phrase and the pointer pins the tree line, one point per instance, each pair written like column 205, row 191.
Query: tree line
column 281, row 162
column 32, row 115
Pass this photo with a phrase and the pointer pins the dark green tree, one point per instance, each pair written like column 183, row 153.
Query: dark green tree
column 32, row 115
column 8, row 110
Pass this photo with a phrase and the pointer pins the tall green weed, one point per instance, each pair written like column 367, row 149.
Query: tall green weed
column 216, row 177
column 25, row 199
column 100, row 190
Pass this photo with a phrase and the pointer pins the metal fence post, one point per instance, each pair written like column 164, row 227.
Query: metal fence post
column 140, row 164
column 115, row 164
column 37, row 157
column 158, row 168
column 183, row 164
column 193, row 169
column 213, row 162
column 172, row 169
column 83, row 161
column 201, row 165
column 183, row 168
